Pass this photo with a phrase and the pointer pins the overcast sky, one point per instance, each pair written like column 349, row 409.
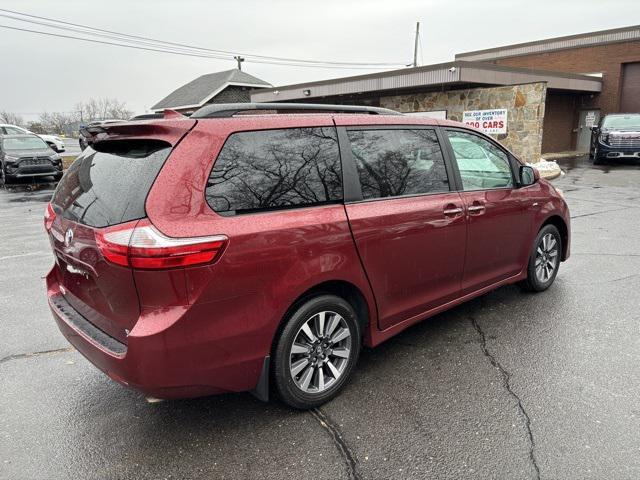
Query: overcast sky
column 40, row 73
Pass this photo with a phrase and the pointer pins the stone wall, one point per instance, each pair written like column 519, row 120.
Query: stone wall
column 525, row 105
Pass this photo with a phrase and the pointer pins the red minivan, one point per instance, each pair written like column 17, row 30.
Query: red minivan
column 257, row 247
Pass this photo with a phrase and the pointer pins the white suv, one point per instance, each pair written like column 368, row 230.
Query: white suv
column 54, row 142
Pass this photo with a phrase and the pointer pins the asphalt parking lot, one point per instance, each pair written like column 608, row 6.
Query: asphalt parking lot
column 72, row 147
column 508, row 386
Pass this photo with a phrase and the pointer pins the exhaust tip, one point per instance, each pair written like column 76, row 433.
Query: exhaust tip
column 153, row 400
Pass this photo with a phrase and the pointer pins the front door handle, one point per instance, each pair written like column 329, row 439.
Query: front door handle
column 452, row 210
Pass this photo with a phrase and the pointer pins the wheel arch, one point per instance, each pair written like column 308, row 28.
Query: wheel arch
column 340, row 288
column 558, row 222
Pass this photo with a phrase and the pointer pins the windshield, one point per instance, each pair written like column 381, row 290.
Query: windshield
column 23, row 143
column 622, row 121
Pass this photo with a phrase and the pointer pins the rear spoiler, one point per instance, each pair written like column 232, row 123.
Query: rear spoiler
column 170, row 129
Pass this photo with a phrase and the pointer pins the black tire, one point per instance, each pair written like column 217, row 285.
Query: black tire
column 4, row 180
column 534, row 282
column 287, row 385
column 597, row 159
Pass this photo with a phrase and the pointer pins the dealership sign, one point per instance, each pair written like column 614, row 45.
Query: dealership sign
column 487, row 121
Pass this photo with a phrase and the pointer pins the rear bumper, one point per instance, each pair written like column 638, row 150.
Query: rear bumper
column 160, row 362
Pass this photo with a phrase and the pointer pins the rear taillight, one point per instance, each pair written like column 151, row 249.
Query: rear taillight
column 49, row 217
column 140, row 245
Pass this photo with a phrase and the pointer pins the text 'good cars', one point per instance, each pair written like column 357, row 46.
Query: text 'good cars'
column 258, row 247
column 27, row 156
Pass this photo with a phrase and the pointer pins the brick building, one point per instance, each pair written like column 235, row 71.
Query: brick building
column 552, row 89
column 612, row 54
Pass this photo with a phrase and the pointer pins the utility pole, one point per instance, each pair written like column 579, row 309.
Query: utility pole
column 239, row 59
column 415, row 46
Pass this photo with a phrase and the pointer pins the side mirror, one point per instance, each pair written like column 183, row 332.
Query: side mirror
column 594, row 128
column 528, row 175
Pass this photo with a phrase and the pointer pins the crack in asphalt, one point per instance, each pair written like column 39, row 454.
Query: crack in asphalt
column 339, row 442
column 597, row 254
column 598, row 202
column 506, row 377
column 600, row 213
column 19, row 356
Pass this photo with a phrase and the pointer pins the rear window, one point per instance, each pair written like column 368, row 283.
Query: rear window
column 274, row 169
column 108, row 187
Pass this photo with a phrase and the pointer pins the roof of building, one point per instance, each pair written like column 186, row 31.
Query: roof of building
column 601, row 37
column 449, row 74
column 197, row 92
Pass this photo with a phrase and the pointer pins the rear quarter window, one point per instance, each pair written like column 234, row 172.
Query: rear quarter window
column 275, row 169
column 108, row 187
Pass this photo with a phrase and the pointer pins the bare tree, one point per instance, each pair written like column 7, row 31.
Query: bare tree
column 84, row 112
column 36, row 127
column 101, row 109
column 58, row 122
column 11, row 118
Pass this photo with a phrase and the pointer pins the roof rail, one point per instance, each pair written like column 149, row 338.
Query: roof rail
column 225, row 110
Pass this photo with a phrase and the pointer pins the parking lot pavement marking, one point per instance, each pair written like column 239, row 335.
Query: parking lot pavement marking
column 19, row 356
column 20, row 255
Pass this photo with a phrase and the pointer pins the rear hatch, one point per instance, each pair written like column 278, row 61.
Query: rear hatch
column 107, row 185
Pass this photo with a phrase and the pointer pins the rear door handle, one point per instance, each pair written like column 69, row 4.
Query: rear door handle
column 475, row 209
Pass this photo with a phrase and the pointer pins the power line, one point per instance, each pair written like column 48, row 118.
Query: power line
column 178, row 52
column 78, row 30
column 173, row 47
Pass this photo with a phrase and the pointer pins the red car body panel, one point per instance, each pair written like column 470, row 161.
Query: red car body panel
column 207, row 329
column 103, row 293
column 497, row 236
column 412, row 253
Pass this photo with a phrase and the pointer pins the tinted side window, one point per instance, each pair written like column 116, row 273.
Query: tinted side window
column 392, row 163
column 272, row 169
column 482, row 165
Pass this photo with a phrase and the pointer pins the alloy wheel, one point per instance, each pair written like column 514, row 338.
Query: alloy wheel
column 320, row 352
column 546, row 258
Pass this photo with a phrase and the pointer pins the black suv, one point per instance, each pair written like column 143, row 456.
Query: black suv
column 27, row 156
column 616, row 137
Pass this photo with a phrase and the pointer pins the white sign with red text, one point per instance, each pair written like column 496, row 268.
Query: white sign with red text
column 487, row 121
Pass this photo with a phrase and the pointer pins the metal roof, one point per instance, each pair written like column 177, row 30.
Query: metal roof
column 195, row 93
column 601, row 37
column 449, row 74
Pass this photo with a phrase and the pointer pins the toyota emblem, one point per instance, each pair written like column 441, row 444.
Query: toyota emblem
column 68, row 238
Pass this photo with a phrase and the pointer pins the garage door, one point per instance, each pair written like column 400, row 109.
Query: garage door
column 630, row 99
